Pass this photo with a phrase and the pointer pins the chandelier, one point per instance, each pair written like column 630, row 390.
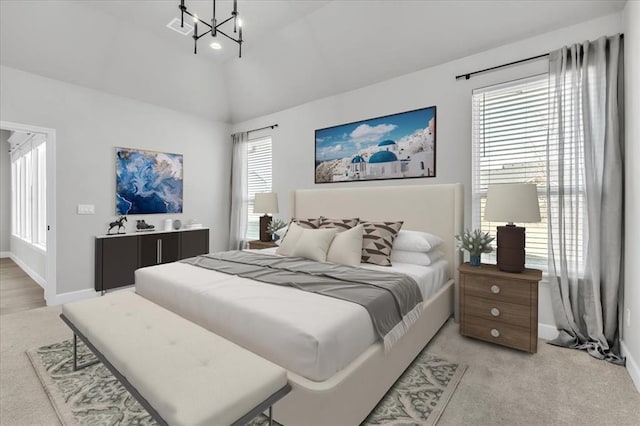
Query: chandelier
column 214, row 26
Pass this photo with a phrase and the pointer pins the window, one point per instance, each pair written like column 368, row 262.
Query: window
column 28, row 190
column 509, row 136
column 259, row 179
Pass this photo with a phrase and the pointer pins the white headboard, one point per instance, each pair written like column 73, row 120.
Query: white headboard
column 437, row 209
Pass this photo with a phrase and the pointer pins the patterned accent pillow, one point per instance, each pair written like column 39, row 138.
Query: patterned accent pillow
column 377, row 241
column 307, row 223
column 340, row 224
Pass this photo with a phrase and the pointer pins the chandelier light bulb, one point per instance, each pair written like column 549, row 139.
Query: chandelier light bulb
column 195, row 18
column 240, row 22
column 215, row 45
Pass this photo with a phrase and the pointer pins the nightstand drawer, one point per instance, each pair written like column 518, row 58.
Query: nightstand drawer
column 497, row 310
column 500, row 333
column 498, row 289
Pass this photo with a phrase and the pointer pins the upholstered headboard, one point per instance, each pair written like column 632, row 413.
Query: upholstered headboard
column 437, row 209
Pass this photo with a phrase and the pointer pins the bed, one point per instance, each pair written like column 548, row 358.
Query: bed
column 338, row 374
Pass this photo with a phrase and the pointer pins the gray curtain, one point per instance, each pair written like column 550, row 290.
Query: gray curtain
column 585, row 195
column 239, row 192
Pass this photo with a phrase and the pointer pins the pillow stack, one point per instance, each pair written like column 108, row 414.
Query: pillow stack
column 343, row 241
column 417, row 248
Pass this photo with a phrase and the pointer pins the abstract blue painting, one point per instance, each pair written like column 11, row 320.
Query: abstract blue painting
column 395, row 146
column 148, row 182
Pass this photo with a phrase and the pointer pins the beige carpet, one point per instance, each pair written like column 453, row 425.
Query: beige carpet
column 500, row 387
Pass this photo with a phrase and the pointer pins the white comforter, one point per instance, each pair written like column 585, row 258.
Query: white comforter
column 309, row 334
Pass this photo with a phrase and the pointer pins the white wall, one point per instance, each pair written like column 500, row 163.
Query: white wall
column 89, row 125
column 631, row 329
column 5, row 191
column 293, row 140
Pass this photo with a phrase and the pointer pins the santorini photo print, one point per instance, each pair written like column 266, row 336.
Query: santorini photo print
column 391, row 147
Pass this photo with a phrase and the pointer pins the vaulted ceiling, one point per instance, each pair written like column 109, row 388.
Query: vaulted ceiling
column 295, row 50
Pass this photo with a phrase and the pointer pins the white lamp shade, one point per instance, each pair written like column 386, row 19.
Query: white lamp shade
column 266, row 202
column 512, row 202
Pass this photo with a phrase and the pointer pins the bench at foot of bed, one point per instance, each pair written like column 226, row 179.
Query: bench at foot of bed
column 181, row 373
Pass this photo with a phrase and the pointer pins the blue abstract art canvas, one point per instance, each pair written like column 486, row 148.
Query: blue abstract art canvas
column 148, row 182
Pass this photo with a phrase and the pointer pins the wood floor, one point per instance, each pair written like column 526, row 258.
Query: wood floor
column 18, row 292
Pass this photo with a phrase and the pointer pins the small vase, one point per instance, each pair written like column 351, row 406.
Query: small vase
column 474, row 260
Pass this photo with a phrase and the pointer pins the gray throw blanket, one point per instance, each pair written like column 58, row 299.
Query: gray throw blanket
column 392, row 300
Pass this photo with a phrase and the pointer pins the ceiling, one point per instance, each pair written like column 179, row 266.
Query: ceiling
column 295, row 51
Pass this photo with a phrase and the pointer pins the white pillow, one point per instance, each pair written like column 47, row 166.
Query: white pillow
column 281, row 233
column 289, row 241
column 416, row 257
column 313, row 244
column 416, row 241
column 346, row 248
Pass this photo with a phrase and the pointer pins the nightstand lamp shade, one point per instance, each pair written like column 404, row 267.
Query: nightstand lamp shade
column 512, row 202
column 265, row 202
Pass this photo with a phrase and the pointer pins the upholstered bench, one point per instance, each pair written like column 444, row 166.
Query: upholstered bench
column 180, row 372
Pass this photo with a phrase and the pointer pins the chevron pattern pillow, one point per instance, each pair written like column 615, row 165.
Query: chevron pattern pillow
column 377, row 241
column 307, row 223
column 340, row 224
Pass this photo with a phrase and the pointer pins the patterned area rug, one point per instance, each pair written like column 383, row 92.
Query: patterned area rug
column 92, row 396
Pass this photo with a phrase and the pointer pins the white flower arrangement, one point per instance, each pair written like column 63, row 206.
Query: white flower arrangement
column 274, row 225
column 475, row 242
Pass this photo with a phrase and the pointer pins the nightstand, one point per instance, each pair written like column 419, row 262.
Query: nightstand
column 257, row 244
column 500, row 307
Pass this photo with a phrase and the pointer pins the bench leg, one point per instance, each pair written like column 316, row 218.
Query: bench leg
column 76, row 367
column 271, row 415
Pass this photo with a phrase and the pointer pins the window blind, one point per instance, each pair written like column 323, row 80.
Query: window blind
column 509, row 137
column 259, row 179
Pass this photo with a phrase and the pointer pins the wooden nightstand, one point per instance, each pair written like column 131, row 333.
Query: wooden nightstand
column 500, row 307
column 257, row 244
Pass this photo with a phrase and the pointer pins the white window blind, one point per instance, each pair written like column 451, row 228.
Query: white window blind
column 509, row 136
column 259, row 179
column 29, row 190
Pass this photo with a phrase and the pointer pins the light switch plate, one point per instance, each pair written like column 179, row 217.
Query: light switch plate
column 86, row 209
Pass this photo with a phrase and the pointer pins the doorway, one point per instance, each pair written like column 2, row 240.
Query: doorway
column 32, row 201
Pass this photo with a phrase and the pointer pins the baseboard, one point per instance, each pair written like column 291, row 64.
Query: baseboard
column 4, row 254
column 547, row 332
column 74, row 296
column 33, row 274
column 632, row 365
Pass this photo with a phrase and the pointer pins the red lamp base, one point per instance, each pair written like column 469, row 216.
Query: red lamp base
column 510, row 252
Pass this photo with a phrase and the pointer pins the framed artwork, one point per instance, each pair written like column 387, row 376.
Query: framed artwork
column 148, row 182
column 395, row 146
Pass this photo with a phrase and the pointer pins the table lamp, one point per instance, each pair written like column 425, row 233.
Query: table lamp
column 265, row 202
column 512, row 202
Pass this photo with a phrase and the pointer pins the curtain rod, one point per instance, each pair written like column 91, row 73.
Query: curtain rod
column 273, row 126
column 468, row 75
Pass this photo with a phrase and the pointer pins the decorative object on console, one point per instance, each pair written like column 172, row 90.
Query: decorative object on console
column 141, row 225
column 148, row 182
column 177, row 224
column 119, row 223
column 512, row 202
column 168, row 225
column 475, row 242
column 265, row 202
column 395, row 146
column 214, row 27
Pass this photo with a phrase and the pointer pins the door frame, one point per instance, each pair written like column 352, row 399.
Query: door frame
column 50, row 287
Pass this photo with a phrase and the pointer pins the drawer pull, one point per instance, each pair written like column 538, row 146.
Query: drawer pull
column 495, row 312
column 495, row 289
column 495, row 332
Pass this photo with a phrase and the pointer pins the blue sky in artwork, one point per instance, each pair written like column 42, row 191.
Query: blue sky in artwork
column 346, row 140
